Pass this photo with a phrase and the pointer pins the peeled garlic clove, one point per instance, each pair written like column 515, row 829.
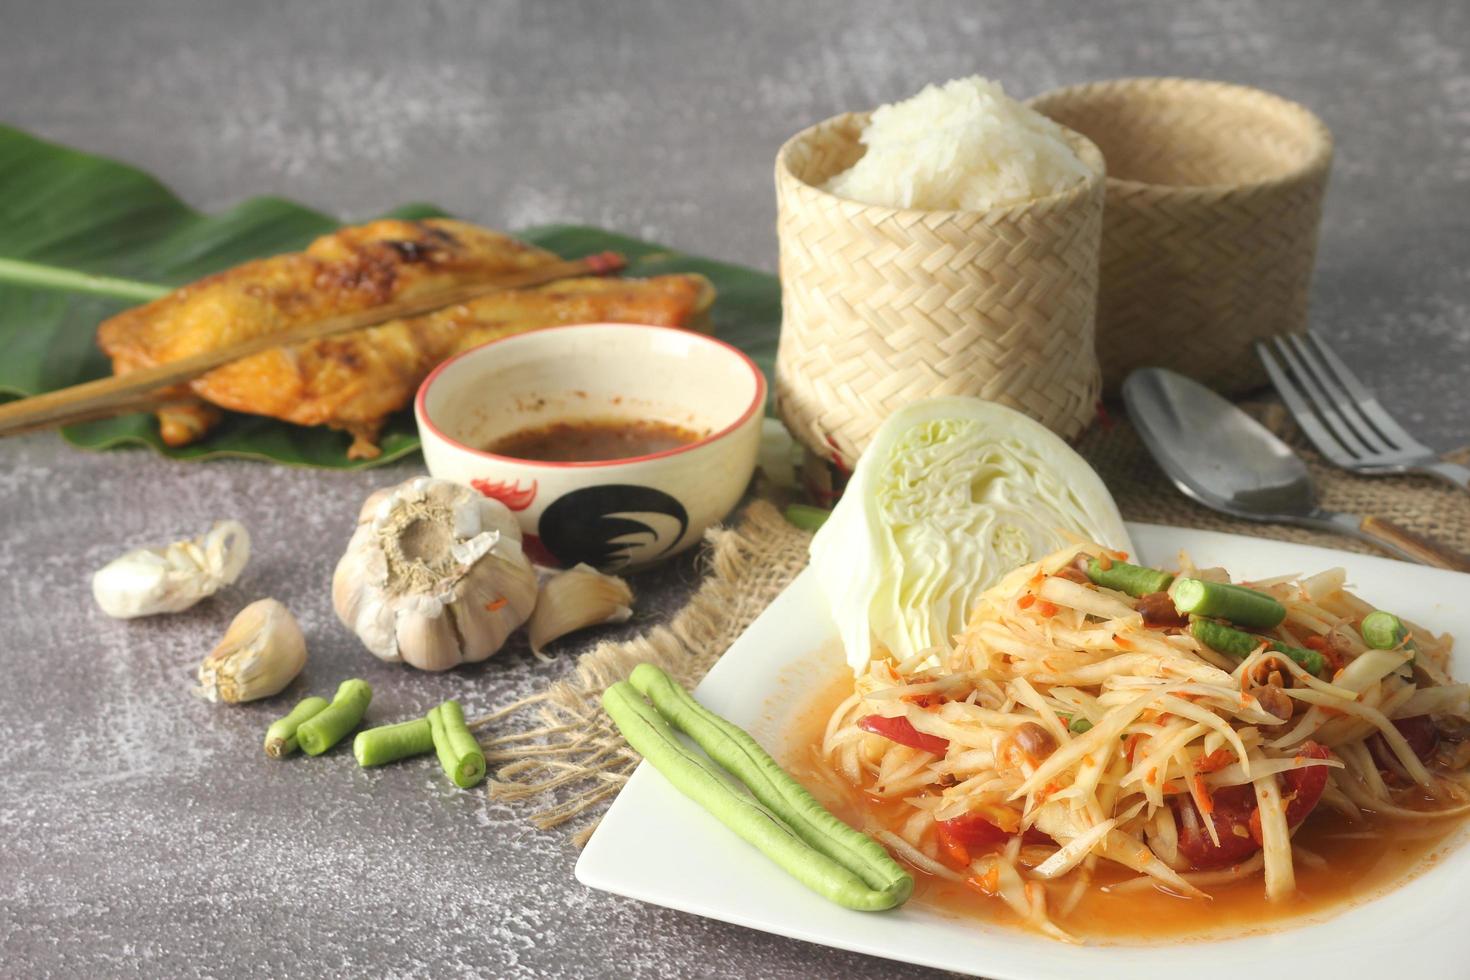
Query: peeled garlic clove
column 261, row 652
column 173, row 578
column 576, row 599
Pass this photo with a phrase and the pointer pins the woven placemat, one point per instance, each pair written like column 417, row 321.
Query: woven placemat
column 561, row 750
column 561, row 754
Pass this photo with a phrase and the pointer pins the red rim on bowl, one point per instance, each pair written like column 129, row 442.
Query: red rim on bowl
column 757, row 403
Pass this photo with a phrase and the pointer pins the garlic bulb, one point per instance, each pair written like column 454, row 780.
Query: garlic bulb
column 261, row 652
column 575, row 599
column 173, row 578
column 434, row 575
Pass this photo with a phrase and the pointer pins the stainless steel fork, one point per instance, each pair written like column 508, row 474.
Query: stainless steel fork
column 1341, row 416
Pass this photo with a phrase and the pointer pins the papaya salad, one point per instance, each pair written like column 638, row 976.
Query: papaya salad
column 1100, row 725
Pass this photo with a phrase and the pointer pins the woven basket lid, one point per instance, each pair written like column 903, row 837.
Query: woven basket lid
column 1214, row 197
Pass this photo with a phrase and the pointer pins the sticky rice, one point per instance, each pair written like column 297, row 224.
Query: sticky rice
column 964, row 145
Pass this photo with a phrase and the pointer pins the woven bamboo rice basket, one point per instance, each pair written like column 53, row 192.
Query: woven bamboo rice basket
column 884, row 306
column 1214, row 195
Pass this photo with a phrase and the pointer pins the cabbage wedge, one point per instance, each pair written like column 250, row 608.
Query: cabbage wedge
column 951, row 494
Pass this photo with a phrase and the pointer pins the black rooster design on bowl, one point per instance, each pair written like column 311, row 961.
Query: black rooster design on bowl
column 607, row 526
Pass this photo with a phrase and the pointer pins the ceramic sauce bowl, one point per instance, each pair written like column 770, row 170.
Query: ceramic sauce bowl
column 613, row 514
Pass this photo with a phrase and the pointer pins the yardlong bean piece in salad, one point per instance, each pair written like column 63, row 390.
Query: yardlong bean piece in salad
column 1075, row 723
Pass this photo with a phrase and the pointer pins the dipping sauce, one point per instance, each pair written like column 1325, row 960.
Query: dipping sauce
column 592, row 440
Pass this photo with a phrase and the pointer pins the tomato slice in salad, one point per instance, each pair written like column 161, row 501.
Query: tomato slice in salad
column 1234, row 814
column 1232, row 819
column 902, row 731
column 960, row 837
column 971, row 830
column 1304, row 786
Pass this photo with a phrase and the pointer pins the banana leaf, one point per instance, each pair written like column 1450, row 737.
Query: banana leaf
column 64, row 208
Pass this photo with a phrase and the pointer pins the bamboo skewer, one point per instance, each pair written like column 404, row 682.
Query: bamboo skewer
column 144, row 403
column 128, row 392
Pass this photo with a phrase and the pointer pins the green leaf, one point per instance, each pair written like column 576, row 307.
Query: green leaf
column 70, row 209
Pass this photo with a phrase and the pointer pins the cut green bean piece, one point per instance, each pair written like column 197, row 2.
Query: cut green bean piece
column 1237, row 644
column 1240, row 605
column 471, row 758
column 332, row 723
column 389, row 743
column 280, row 738
column 1136, row 580
column 696, row 777
column 806, row 517
column 1223, row 639
column 441, row 743
column 1383, row 630
column 458, row 750
column 735, row 750
column 1079, row 726
column 1309, row 660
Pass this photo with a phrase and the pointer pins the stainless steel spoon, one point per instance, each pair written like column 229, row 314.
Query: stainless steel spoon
column 1226, row 460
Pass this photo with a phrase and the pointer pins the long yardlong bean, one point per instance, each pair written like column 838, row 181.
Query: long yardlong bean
column 733, row 748
column 649, row 733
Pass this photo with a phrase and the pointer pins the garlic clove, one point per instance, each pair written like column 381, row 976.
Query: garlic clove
column 495, row 516
column 132, row 585
column 369, row 509
column 426, row 637
column 226, row 547
column 576, row 599
column 491, row 603
column 147, row 581
column 349, row 593
column 356, row 583
column 261, row 652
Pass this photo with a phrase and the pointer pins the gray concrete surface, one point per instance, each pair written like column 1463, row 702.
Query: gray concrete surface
column 141, row 832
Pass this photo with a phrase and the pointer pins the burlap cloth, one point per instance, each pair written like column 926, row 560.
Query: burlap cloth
column 558, row 751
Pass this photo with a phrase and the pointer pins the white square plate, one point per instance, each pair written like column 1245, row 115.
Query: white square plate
column 657, row 846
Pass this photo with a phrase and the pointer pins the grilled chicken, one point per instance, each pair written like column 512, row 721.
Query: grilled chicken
column 353, row 381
